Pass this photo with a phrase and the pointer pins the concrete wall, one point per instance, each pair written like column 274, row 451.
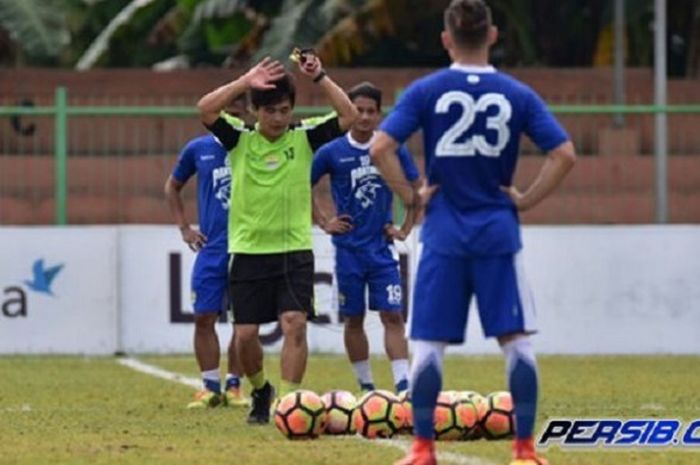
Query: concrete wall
column 117, row 166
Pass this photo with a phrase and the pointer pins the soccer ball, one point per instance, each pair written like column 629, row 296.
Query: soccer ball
column 498, row 421
column 482, row 406
column 447, row 423
column 466, row 413
column 339, row 406
column 405, row 400
column 379, row 414
column 300, row 415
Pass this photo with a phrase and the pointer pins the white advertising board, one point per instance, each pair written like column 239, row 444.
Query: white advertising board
column 156, row 310
column 58, row 290
column 607, row 289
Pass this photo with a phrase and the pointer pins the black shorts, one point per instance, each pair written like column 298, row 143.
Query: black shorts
column 263, row 286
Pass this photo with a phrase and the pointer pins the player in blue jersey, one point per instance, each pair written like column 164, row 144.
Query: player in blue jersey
column 205, row 157
column 363, row 234
column 472, row 118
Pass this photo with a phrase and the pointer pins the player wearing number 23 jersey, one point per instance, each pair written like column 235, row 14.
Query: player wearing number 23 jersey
column 472, row 118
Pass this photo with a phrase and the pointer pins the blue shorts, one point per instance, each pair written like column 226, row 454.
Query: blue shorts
column 210, row 282
column 445, row 286
column 377, row 269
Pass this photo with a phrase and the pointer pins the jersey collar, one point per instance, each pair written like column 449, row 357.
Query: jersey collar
column 472, row 68
column 358, row 145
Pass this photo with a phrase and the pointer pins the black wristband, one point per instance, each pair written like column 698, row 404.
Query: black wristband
column 320, row 76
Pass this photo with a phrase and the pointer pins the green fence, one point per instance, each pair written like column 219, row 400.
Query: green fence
column 128, row 150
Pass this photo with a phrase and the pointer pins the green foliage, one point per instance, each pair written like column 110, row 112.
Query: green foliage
column 128, row 47
column 37, row 26
column 367, row 32
column 214, row 27
column 300, row 23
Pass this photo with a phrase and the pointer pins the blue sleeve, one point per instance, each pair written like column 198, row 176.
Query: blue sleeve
column 404, row 119
column 186, row 165
column 409, row 167
column 321, row 164
column 541, row 126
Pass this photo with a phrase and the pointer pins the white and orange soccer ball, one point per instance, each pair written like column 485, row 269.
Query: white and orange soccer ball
column 300, row 415
column 482, row 406
column 339, row 407
column 455, row 415
column 498, row 422
column 379, row 414
column 405, row 400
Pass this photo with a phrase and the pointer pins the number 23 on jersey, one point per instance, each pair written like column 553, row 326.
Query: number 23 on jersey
column 476, row 144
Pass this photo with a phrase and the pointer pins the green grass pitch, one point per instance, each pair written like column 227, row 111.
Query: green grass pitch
column 73, row 410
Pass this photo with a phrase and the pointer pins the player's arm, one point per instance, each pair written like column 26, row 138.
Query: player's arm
column 413, row 177
column 310, row 65
column 396, row 128
column 173, row 195
column 559, row 162
column 546, row 132
column 330, row 224
column 384, row 156
column 259, row 76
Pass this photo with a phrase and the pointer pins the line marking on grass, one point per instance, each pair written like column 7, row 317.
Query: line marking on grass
column 153, row 370
column 403, row 445
column 653, row 407
column 22, row 408
column 443, row 457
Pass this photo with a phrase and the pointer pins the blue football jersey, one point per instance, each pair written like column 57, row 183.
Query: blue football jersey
column 472, row 118
column 206, row 157
column 358, row 189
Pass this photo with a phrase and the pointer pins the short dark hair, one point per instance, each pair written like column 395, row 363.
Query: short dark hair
column 284, row 90
column 468, row 21
column 368, row 90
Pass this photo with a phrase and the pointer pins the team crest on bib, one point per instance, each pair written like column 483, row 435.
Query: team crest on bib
column 272, row 161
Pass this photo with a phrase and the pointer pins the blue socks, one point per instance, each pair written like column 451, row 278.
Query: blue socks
column 401, row 385
column 521, row 373
column 213, row 386
column 426, row 383
column 367, row 387
column 232, row 381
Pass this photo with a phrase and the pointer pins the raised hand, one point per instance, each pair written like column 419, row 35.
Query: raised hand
column 262, row 75
column 309, row 63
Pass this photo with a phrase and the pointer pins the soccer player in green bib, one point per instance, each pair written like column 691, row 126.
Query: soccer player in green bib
column 269, row 231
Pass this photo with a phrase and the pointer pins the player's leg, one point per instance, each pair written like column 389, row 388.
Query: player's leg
column 250, row 353
column 351, row 305
column 396, row 347
column 233, row 392
column 385, row 295
column 294, row 300
column 507, row 312
column 205, row 293
column 440, row 305
column 206, row 349
column 295, row 350
column 357, row 348
column 253, row 304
